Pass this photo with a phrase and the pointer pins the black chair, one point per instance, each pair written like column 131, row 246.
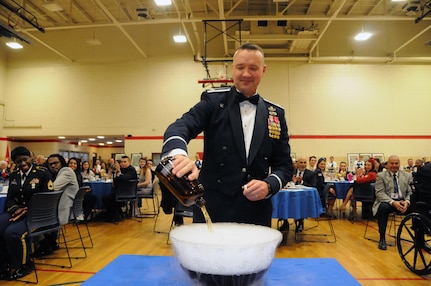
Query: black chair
column 154, row 210
column 77, row 218
column 365, row 194
column 180, row 212
column 125, row 192
column 42, row 218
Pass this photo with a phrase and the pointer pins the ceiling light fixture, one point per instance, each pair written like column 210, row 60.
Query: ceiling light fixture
column 91, row 139
column 363, row 36
column 100, row 137
column 180, row 38
column 14, row 45
column 52, row 6
column 61, row 137
column 163, row 2
column 118, row 140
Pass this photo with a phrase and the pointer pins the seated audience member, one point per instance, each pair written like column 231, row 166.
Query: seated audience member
column 198, row 161
column 123, row 172
column 4, row 174
column 359, row 164
column 150, row 164
column 368, row 175
column 409, row 167
column 23, row 183
column 97, row 167
column 89, row 198
column 331, row 166
column 342, row 172
column 326, row 191
column 87, row 173
column 378, row 166
column 66, row 181
column 145, row 184
column 418, row 163
column 312, row 163
column 40, row 160
column 305, row 177
column 392, row 194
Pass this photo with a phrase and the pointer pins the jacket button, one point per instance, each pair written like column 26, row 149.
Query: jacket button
column 221, row 164
column 243, row 170
column 218, row 181
column 224, row 148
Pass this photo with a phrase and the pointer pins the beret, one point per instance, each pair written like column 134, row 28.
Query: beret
column 19, row 151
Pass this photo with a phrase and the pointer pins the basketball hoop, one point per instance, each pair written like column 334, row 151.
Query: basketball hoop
column 13, row 20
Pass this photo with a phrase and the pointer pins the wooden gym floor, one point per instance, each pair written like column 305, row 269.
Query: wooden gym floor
column 360, row 257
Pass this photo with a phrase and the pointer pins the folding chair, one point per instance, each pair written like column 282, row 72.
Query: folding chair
column 365, row 194
column 125, row 192
column 180, row 211
column 155, row 210
column 77, row 219
column 42, row 218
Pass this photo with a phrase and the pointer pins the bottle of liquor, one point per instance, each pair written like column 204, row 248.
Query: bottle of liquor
column 186, row 191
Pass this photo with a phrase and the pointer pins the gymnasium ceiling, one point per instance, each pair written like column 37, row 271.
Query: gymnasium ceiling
column 100, row 31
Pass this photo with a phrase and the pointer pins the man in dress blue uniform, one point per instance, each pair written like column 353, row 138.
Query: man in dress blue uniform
column 246, row 145
column 23, row 183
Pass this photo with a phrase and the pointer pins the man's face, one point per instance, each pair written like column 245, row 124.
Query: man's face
column 54, row 165
column 125, row 163
column 248, row 69
column 410, row 162
column 312, row 162
column 24, row 163
column 393, row 164
column 301, row 164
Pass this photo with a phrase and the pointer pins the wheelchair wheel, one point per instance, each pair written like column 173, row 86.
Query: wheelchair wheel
column 414, row 243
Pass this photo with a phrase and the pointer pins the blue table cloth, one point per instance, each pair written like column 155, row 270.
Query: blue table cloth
column 341, row 188
column 99, row 189
column 298, row 202
column 165, row 270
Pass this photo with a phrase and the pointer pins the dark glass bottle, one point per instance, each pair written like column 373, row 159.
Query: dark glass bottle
column 186, row 191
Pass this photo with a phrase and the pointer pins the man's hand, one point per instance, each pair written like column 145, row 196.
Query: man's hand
column 18, row 214
column 256, row 190
column 401, row 206
column 182, row 165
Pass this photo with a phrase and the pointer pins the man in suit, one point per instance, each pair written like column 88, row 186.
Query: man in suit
column 392, row 194
column 124, row 173
column 246, row 145
column 301, row 176
column 64, row 180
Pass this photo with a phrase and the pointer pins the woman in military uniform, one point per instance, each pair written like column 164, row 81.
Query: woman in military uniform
column 23, row 183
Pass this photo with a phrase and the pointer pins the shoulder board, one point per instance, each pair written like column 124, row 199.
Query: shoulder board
column 15, row 171
column 41, row 168
column 272, row 103
column 219, row 89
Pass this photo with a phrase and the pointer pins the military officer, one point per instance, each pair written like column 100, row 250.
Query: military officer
column 23, row 183
column 246, row 145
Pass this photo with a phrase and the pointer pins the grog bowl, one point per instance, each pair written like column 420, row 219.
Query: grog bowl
column 231, row 250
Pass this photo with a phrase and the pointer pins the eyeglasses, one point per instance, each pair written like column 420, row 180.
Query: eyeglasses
column 54, row 163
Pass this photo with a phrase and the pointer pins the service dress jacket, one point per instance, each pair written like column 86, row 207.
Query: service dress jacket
column 385, row 186
column 20, row 193
column 225, row 168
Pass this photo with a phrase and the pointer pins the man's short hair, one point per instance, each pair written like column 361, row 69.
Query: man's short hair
column 251, row 47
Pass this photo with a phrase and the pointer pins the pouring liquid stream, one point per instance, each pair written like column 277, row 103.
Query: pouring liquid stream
column 207, row 219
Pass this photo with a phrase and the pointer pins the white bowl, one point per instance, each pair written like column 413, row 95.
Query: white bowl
column 231, row 250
